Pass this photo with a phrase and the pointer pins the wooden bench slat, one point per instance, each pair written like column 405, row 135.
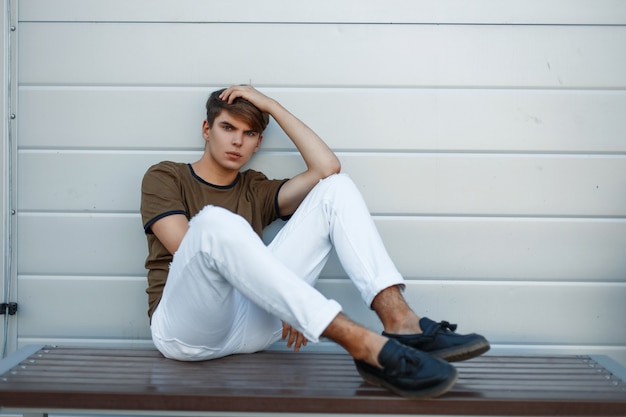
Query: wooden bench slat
column 141, row 379
column 607, row 384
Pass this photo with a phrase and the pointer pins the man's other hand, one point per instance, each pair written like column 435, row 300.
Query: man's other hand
column 294, row 338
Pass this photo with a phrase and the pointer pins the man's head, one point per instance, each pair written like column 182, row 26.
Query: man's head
column 240, row 109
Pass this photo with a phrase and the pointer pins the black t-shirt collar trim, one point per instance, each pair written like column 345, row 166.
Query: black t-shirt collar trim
column 219, row 187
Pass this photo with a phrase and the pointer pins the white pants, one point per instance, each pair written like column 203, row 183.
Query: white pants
column 227, row 292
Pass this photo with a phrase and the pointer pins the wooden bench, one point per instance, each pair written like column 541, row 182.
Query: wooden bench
column 39, row 380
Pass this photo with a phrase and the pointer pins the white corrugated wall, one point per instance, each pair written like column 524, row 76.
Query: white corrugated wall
column 488, row 139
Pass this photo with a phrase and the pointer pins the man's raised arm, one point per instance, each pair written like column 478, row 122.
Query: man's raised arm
column 320, row 160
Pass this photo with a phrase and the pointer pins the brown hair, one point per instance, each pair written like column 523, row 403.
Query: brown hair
column 240, row 108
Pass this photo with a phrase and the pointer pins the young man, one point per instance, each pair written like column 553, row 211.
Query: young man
column 215, row 289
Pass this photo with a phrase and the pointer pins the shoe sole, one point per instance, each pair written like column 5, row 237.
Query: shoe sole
column 431, row 392
column 463, row 353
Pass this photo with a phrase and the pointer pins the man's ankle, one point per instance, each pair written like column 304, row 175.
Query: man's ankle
column 367, row 347
column 410, row 325
column 394, row 312
column 360, row 342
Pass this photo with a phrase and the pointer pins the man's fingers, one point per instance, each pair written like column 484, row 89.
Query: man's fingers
column 233, row 92
column 300, row 341
column 294, row 337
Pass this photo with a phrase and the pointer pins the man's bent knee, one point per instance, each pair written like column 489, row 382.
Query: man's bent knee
column 218, row 219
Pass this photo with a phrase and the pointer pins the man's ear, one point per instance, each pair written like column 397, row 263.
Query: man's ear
column 205, row 130
column 258, row 144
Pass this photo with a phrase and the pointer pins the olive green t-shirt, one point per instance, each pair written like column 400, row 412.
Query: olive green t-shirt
column 174, row 188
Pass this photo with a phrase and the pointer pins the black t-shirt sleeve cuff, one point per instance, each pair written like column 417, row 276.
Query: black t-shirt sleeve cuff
column 148, row 226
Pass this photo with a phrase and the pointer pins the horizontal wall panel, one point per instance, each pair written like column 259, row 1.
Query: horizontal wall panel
column 524, row 249
column 529, row 312
column 103, row 181
column 99, row 343
column 323, row 55
column 354, row 11
column 100, row 307
column 348, row 119
column 92, row 244
column 423, row 248
column 491, row 184
column 399, row 183
column 97, row 307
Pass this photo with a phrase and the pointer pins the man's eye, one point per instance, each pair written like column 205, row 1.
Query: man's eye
column 251, row 133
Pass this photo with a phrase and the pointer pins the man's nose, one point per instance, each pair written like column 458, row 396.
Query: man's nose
column 237, row 139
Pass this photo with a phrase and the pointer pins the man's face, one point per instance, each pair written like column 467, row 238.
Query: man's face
column 231, row 142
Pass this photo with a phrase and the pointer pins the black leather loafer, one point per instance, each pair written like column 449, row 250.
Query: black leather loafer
column 408, row 372
column 440, row 340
